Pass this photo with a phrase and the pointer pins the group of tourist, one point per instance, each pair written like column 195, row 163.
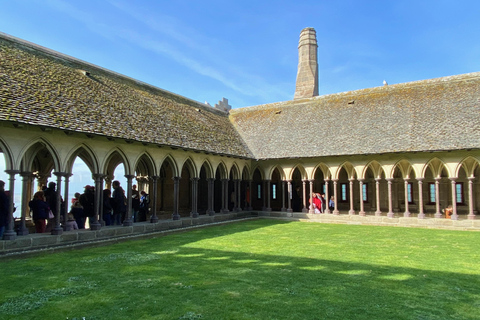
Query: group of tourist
column 44, row 207
column 319, row 203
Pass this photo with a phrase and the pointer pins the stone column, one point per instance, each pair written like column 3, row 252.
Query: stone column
column 128, row 216
column 378, row 212
column 311, row 209
column 327, row 197
column 194, row 213
column 283, row 209
column 176, row 193
column 268, row 195
column 10, row 233
column 211, row 187
column 390, row 213
column 154, row 218
column 96, row 224
column 407, row 212
column 437, row 214
column 58, row 230
column 67, row 202
column 335, row 196
column 304, row 185
column 362, row 211
column 421, row 214
column 351, row 211
column 250, row 207
column 225, row 196
column 235, row 195
column 471, row 215
column 454, row 199
column 26, row 195
column 289, row 197
column 239, row 195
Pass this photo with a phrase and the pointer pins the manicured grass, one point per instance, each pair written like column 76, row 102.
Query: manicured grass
column 260, row 269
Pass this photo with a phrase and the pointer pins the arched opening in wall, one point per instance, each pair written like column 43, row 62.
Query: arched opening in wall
column 165, row 190
column 220, row 173
column 203, row 191
column 81, row 177
column 17, row 197
column 185, row 191
column 257, row 190
column 432, row 180
column 404, row 190
column 297, row 191
column 144, row 171
column 461, row 192
column 369, row 191
column 276, row 196
column 232, row 189
column 343, row 191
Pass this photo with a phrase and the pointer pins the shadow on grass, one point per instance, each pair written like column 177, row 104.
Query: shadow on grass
column 164, row 278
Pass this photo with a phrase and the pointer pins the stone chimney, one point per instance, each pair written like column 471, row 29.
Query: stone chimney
column 307, row 75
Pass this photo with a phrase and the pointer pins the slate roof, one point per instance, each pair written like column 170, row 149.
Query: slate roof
column 429, row 115
column 41, row 87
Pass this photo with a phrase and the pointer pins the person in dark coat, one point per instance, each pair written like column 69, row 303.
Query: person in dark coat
column 4, row 208
column 50, row 194
column 87, row 200
column 40, row 210
column 107, row 207
column 119, row 203
column 77, row 210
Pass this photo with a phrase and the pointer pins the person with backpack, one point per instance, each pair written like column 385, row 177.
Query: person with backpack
column 143, row 209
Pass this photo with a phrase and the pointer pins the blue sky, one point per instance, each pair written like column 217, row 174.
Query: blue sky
column 246, row 50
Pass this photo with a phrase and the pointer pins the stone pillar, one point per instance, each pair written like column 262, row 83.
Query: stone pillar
column 58, row 230
column 407, row 212
column 194, row 213
column 211, row 187
column 96, row 224
column 307, row 75
column 67, row 202
column 390, row 213
column 239, row 195
column 311, row 209
column 268, row 189
column 10, row 233
column 454, row 199
column 437, row 214
column 154, row 218
column 421, row 214
column 250, row 207
column 327, row 197
column 128, row 216
column 26, row 195
column 225, row 196
column 176, row 193
column 351, row 211
column 235, row 204
column 378, row 212
column 304, row 185
column 289, row 197
column 335, row 196
column 362, row 211
column 471, row 215
column 283, row 209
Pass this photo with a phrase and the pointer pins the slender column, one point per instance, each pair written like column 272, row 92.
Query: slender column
column 10, row 233
column 390, row 213
column 283, row 197
column 421, row 214
column 211, row 187
column 351, row 211
column 239, row 195
column 225, row 196
column 154, row 218
column 289, row 198
column 264, row 207
column 335, row 197
column 65, row 199
column 304, row 185
column 327, row 197
column 235, row 195
column 128, row 216
column 95, row 224
column 378, row 212
column 407, row 212
column 250, row 195
column 471, row 215
column 176, row 189
column 362, row 211
column 311, row 209
column 454, row 199
column 269, row 195
column 26, row 195
column 58, row 230
column 194, row 213
column 437, row 214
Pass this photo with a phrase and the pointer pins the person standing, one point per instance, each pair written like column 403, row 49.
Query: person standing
column 4, row 209
column 135, row 203
column 87, row 200
column 40, row 210
column 119, row 203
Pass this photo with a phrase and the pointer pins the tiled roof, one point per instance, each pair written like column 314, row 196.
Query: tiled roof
column 428, row 115
column 42, row 87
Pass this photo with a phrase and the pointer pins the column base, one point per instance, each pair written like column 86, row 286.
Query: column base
column 437, row 215
column 362, row 213
column 406, row 214
column 471, row 217
column 175, row 216
column 95, row 226
column 390, row 214
column 128, row 223
column 211, row 213
column 351, row 212
column 378, row 213
column 421, row 216
column 194, row 214
column 336, row 212
column 9, row 235
column 23, row 231
column 154, row 219
column 57, row 231
column 454, row 217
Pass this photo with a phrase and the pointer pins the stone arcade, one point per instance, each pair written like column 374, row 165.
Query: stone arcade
column 405, row 150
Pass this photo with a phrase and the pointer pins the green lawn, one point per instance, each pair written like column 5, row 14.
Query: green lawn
column 258, row 269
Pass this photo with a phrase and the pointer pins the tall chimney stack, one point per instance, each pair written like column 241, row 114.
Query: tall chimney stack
column 307, row 75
